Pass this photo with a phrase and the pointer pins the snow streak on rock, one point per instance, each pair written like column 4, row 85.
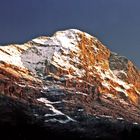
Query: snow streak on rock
column 54, row 112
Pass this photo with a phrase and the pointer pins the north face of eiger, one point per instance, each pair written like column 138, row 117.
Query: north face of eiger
column 68, row 77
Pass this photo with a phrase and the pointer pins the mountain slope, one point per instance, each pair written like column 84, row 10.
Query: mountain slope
column 72, row 76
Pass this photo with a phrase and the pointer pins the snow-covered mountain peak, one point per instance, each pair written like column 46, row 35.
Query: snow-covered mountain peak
column 78, row 56
column 68, row 77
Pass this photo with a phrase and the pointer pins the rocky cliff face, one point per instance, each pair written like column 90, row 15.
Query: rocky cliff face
column 71, row 77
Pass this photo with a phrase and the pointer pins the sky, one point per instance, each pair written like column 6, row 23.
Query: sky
column 116, row 23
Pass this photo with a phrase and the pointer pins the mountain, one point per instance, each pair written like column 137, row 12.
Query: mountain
column 68, row 85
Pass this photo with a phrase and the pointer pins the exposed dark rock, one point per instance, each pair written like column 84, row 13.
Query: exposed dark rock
column 18, row 122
